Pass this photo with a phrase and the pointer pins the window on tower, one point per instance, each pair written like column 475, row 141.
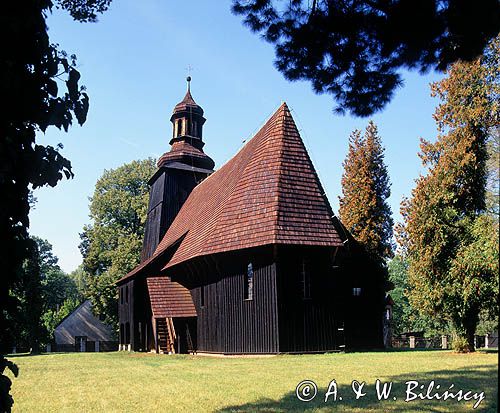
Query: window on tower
column 179, row 127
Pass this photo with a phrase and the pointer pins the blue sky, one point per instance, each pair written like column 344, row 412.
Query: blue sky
column 134, row 62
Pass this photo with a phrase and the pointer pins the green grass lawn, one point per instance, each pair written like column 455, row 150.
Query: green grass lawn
column 137, row 382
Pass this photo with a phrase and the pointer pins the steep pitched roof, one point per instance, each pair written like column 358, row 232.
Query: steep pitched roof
column 169, row 299
column 269, row 193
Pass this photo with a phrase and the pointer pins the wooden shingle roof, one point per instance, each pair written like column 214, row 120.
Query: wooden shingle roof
column 268, row 193
column 169, row 299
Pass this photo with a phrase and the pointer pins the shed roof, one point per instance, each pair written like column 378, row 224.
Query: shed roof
column 169, row 299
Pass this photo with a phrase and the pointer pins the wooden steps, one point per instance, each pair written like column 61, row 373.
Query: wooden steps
column 166, row 335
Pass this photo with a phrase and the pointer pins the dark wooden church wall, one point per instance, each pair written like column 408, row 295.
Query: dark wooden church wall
column 142, row 328
column 362, row 314
column 227, row 323
column 170, row 188
column 363, row 321
column 134, row 310
column 126, row 312
column 311, row 323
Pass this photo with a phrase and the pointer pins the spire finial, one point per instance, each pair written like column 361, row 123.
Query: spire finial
column 189, row 83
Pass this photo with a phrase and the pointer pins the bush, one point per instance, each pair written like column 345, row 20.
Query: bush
column 460, row 345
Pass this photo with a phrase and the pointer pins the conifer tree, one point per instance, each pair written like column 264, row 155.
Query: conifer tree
column 365, row 189
column 450, row 242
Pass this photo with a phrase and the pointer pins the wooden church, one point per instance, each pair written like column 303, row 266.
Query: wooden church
column 249, row 258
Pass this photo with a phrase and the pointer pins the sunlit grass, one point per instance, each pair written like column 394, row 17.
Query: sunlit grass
column 136, row 382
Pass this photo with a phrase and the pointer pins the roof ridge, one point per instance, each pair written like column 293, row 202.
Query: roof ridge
column 286, row 111
column 295, row 134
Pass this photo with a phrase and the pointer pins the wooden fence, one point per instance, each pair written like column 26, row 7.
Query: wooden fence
column 443, row 342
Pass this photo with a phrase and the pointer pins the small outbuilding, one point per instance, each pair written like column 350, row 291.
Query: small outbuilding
column 82, row 331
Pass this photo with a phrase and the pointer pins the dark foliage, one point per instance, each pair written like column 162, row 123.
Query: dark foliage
column 354, row 50
column 39, row 87
column 6, row 400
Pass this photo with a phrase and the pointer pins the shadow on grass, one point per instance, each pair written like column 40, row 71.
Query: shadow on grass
column 397, row 350
column 477, row 379
column 18, row 355
column 488, row 350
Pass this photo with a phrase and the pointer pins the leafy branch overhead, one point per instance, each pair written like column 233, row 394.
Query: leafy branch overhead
column 355, row 50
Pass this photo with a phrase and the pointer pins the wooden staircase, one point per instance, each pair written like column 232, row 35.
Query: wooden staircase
column 166, row 335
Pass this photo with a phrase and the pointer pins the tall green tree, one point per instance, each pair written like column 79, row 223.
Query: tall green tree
column 450, row 242
column 365, row 190
column 111, row 245
column 355, row 50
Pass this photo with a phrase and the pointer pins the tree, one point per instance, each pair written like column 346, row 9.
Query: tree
column 31, row 71
column 450, row 242
column 405, row 317
column 52, row 317
column 57, row 286
column 493, row 168
column 354, row 50
column 112, row 244
column 365, row 189
column 27, row 293
column 79, row 277
column 41, row 291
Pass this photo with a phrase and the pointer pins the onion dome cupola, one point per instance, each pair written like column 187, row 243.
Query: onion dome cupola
column 187, row 144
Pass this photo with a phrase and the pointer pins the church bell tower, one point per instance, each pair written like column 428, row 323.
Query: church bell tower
column 179, row 171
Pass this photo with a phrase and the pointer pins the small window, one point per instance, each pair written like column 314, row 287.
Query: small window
column 179, row 127
column 202, row 296
column 121, row 295
column 126, row 294
column 249, row 283
column 356, row 291
column 306, row 280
